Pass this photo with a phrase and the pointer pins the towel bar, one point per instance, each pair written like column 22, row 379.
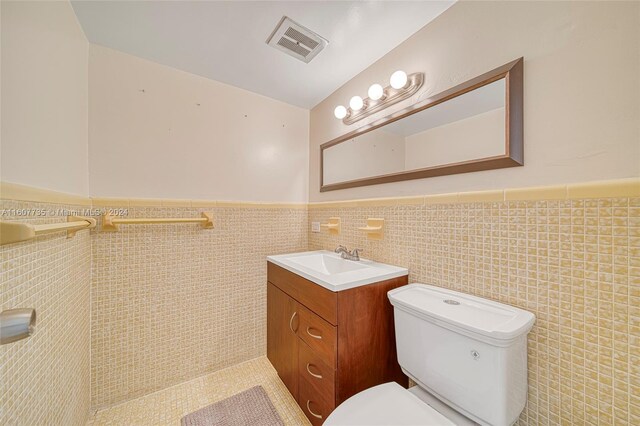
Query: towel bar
column 13, row 232
column 110, row 223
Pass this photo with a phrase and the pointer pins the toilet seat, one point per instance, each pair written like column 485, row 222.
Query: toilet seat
column 384, row 405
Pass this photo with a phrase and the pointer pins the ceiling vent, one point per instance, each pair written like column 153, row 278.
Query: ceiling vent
column 296, row 40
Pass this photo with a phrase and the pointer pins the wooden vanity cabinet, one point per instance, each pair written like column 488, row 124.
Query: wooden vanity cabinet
column 327, row 346
column 282, row 341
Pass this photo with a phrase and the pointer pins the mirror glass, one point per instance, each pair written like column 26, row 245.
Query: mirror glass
column 467, row 127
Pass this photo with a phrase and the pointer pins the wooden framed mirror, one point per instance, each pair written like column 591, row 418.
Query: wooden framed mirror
column 474, row 126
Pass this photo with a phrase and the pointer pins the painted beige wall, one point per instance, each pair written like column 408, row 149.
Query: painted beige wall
column 44, row 97
column 582, row 103
column 189, row 137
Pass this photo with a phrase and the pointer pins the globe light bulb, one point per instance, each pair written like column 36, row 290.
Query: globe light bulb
column 356, row 103
column 340, row 112
column 375, row 92
column 398, row 80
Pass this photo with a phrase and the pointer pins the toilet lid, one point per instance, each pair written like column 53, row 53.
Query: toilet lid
column 386, row 404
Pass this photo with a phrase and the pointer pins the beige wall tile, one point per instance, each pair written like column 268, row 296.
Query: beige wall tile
column 480, row 196
column 567, row 261
column 536, row 193
column 441, row 199
column 110, row 202
column 45, row 379
column 172, row 302
column 204, row 203
column 605, row 189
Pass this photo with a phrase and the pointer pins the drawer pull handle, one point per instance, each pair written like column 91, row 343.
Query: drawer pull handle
column 317, row 376
column 318, row 416
column 315, row 336
column 291, row 321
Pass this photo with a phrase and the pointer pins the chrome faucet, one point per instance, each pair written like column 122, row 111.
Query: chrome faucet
column 348, row 255
column 341, row 249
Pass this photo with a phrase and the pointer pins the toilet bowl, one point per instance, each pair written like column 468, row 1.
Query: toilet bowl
column 387, row 404
column 468, row 356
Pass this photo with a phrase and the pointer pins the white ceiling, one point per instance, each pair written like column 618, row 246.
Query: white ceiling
column 225, row 40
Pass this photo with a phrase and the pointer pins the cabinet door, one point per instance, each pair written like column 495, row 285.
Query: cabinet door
column 315, row 406
column 282, row 342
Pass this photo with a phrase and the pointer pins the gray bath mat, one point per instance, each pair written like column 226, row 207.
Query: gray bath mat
column 251, row 407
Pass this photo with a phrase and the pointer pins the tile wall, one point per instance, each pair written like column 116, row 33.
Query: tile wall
column 173, row 302
column 124, row 314
column 45, row 379
column 575, row 263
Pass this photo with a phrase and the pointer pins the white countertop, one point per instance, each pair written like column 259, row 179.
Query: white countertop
column 330, row 271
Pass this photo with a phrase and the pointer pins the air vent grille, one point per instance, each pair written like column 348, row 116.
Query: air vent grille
column 296, row 47
column 296, row 40
column 301, row 38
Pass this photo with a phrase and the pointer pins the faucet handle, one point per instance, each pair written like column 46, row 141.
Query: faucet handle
column 340, row 248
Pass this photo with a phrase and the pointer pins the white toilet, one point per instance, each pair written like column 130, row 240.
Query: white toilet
column 468, row 356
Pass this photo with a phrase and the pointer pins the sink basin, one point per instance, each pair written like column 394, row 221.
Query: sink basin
column 329, row 270
column 326, row 263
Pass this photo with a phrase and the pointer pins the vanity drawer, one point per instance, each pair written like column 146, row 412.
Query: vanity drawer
column 321, row 336
column 318, row 374
column 315, row 405
column 317, row 298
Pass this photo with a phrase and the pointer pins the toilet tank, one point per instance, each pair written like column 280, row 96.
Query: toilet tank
column 469, row 352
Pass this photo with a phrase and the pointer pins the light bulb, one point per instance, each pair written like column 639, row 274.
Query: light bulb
column 340, row 112
column 375, row 92
column 356, row 103
column 398, row 80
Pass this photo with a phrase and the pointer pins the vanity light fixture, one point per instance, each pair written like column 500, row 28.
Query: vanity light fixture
column 401, row 86
column 356, row 103
column 376, row 92
column 340, row 112
column 398, row 80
